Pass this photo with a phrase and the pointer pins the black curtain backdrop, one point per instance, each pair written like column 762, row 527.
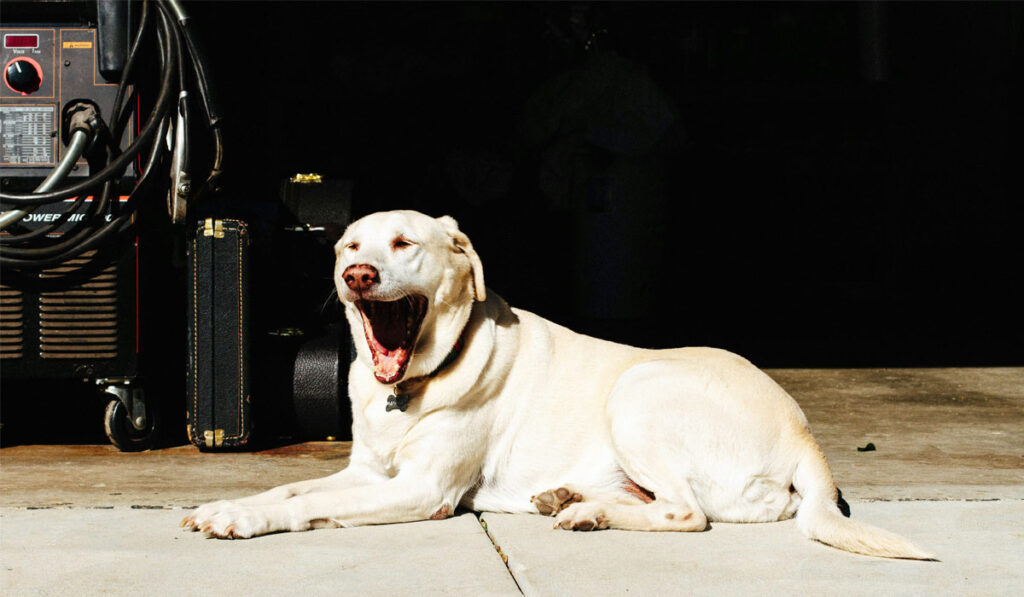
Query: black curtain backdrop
column 821, row 184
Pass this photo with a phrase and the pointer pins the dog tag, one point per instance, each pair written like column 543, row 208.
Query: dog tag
column 401, row 402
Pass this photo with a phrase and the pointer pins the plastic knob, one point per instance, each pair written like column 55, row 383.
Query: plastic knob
column 23, row 76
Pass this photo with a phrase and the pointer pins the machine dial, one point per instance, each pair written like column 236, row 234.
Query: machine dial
column 23, row 75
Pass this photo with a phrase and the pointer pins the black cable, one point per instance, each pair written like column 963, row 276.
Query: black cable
column 105, row 232
column 83, row 136
column 119, row 116
column 207, row 96
column 197, row 57
column 66, row 240
column 96, row 206
column 14, row 239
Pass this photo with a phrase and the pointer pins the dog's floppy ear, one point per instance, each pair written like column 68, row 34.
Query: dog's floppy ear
column 461, row 244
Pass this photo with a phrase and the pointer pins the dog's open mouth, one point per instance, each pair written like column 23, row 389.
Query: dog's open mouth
column 391, row 328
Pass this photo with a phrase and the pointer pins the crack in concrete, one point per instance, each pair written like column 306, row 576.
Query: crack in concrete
column 501, row 554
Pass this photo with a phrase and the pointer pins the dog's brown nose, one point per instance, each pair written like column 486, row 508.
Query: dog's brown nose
column 360, row 277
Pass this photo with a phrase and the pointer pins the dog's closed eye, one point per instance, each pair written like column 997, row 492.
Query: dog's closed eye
column 401, row 243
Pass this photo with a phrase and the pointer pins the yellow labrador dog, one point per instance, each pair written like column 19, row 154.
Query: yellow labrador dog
column 458, row 399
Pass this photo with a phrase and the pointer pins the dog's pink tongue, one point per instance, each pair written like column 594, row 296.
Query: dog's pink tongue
column 387, row 364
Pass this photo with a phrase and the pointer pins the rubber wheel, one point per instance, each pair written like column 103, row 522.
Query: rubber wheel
column 123, row 434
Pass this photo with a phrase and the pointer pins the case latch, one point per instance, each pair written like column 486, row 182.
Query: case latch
column 214, row 438
column 214, row 228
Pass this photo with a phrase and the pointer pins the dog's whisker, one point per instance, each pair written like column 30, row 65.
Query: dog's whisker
column 332, row 297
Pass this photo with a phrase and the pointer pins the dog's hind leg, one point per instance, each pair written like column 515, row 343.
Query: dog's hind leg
column 553, row 501
column 659, row 515
column 674, row 508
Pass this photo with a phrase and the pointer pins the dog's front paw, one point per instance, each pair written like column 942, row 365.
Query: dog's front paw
column 227, row 520
column 553, row 501
column 582, row 517
column 237, row 522
column 201, row 515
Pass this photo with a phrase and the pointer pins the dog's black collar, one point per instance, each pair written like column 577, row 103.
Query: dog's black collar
column 401, row 397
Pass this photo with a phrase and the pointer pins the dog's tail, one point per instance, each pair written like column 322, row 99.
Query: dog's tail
column 820, row 519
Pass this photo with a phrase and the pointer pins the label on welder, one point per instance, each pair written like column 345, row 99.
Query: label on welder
column 27, row 134
column 49, row 213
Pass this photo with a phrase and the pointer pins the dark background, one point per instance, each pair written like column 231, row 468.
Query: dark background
column 823, row 184
column 809, row 185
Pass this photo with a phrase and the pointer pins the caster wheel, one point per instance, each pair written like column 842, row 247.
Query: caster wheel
column 123, row 434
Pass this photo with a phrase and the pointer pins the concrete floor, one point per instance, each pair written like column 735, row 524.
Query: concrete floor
column 948, row 463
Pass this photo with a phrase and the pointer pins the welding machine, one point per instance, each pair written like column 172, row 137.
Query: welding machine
column 95, row 147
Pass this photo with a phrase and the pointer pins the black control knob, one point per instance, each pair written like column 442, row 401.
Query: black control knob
column 23, row 75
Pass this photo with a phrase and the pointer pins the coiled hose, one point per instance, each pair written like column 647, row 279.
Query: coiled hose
column 165, row 28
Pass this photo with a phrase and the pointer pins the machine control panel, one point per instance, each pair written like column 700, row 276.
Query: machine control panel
column 44, row 69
